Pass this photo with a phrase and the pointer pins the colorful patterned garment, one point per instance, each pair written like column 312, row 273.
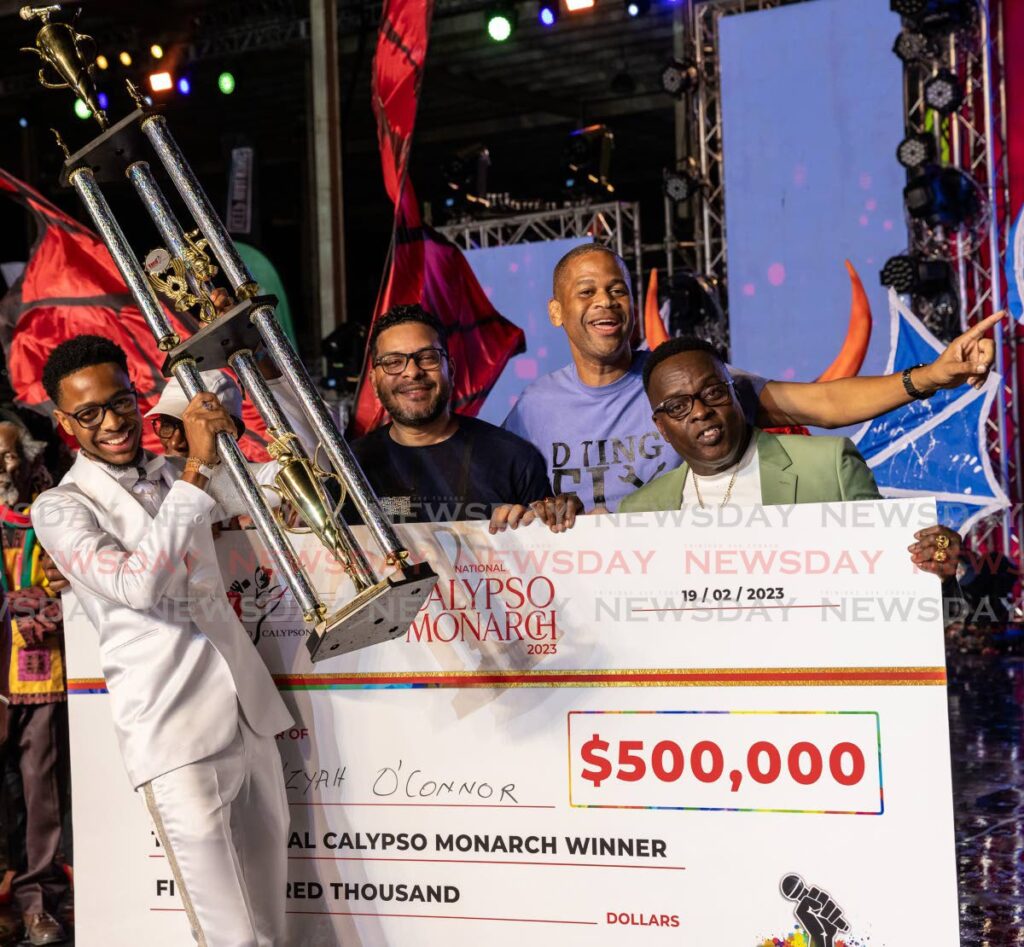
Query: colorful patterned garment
column 32, row 664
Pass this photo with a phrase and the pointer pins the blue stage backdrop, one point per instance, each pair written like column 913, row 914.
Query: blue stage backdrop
column 517, row 280
column 936, row 446
column 812, row 103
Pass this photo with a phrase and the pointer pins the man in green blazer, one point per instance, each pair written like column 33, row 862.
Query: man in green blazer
column 727, row 461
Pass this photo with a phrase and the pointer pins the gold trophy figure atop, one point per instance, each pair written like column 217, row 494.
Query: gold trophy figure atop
column 59, row 46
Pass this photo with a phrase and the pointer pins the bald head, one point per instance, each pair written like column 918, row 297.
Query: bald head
column 565, row 265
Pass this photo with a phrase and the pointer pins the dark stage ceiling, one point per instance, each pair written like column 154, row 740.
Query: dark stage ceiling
column 520, row 99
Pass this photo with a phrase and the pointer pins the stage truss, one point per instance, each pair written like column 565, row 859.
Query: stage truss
column 974, row 139
column 615, row 224
column 705, row 254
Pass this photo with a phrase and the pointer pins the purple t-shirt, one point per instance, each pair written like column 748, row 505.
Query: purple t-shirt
column 600, row 442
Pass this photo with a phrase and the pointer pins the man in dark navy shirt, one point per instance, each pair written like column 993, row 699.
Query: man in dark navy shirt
column 431, row 465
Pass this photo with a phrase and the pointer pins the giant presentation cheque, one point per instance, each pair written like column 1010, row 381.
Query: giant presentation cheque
column 690, row 728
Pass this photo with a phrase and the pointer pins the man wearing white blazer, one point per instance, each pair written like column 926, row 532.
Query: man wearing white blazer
column 194, row 707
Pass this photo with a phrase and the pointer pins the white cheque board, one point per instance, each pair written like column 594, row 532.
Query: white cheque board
column 682, row 729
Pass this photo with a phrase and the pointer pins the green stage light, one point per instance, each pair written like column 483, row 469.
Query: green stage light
column 81, row 109
column 501, row 23
column 226, row 83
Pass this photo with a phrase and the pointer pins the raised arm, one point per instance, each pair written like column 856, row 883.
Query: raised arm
column 93, row 559
column 966, row 360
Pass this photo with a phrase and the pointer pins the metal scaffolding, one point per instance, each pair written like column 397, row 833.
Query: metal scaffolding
column 615, row 225
column 973, row 139
column 705, row 254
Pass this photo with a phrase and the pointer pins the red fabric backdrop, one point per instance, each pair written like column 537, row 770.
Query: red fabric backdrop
column 71, row 287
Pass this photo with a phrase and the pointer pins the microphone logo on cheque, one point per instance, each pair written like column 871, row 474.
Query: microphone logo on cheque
column 820, row 920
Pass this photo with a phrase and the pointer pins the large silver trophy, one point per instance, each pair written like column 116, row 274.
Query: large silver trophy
column 381, row 609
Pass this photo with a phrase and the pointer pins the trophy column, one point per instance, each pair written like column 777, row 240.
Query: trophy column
column 84, row 182
column 340, row 454
column 335, row 534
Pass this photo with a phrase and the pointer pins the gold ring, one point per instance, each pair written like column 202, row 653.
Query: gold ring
column 942, row 541
column 940, row 555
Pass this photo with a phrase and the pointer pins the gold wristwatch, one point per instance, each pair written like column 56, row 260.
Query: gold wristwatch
column 199, row 466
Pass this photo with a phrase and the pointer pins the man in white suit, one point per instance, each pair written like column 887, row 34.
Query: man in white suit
column 194, row 707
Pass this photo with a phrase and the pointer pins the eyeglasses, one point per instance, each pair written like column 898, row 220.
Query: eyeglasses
column 394, row 363
column 679, row 406
column 165, row 426
column 92, row 417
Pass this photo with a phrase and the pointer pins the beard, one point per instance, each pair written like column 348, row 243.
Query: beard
column 421, row 415
column 9, row 492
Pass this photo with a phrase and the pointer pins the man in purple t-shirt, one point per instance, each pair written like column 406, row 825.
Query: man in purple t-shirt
column 591, row 419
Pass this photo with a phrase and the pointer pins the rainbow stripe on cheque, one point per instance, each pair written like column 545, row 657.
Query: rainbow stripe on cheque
column 625, row 677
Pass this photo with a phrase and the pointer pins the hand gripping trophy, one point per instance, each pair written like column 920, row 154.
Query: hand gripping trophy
column 381, row 609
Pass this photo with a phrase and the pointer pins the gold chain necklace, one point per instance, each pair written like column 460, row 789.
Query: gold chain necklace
column 728, row 489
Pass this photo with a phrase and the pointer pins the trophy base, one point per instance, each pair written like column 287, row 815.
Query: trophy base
column 380, row 613
column 216, row 342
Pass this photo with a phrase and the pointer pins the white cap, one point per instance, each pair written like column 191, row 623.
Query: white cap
column 173, row 401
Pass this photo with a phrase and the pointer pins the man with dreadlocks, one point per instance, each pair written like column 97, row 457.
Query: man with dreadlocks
column 32, row 678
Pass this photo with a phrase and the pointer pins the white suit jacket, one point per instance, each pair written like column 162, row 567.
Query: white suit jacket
column 177, row 661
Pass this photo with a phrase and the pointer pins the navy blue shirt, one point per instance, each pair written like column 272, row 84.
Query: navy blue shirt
column 463, row 478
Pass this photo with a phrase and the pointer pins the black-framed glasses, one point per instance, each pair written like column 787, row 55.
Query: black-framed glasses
column 678, row 407
column 165, row 426
column 92, row 417
column 394, row 363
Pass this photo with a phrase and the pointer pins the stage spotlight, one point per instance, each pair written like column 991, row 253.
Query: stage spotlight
column 184, row 86
column 635, row 8
column 932, row 288
column 548, row 13
column 23, row 122
column 161, row 81
column 226, row 83
column 578, row 6
column 156, row 51
column 501, row 22
column 586, row 162
column 695, row 307
column 912, row 46
column 916, row 151
column 900, row 273
column 102, row 61
column 81, row 109
column 942, row 92
column 102, row 101
column 124, row 58
column 944, row 197
column 680, row 186
column 936, row 15
column 679, row 77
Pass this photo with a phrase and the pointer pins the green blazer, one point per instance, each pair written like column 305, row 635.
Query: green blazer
column 794, row 469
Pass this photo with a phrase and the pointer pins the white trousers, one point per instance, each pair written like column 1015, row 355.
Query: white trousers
column 223, row 822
